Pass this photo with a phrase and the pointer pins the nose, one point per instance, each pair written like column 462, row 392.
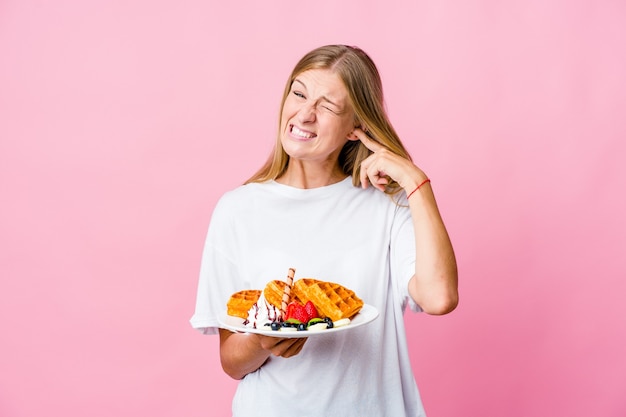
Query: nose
column 307, row 113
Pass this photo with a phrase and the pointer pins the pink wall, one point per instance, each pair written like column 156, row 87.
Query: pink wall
column 122, row 122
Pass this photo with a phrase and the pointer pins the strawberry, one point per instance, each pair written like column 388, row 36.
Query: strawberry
column 299, row 313
column 311, row 311
column 290, row 308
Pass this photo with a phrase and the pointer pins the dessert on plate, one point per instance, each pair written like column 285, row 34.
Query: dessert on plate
column 306, row 304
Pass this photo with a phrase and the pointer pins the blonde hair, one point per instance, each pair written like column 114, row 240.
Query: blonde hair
column 362, row 81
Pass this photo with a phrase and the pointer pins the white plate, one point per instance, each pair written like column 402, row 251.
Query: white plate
column 235, row 324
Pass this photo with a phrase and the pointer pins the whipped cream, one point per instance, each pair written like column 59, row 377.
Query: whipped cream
column 261, row 313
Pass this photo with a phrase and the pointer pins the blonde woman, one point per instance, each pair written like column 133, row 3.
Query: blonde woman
column 340, row 200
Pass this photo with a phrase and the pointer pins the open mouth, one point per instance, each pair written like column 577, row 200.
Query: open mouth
column 301, row 133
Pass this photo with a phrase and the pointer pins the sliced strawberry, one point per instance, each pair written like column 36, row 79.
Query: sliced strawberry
column 290, row 307
column 311, row 311
column 300, row 314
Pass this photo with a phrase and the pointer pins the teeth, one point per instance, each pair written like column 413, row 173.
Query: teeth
column 300, row 133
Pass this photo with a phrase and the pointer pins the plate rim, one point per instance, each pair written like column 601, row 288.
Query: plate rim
column 370, row 313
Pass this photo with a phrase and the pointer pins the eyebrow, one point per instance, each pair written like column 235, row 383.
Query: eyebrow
column 323, row 97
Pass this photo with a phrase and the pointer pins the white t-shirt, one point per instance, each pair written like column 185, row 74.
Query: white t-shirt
column 340, row 233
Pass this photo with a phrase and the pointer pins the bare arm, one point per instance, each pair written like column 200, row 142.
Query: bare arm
column 242, row 353
column 434, row 287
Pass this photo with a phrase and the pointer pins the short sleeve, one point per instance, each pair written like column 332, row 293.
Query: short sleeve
column 218, row 272
column 402, row 254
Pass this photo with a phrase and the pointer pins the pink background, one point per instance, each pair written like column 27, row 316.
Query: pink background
column 122, row 122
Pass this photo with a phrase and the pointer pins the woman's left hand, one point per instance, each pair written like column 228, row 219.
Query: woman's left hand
column 383, row 164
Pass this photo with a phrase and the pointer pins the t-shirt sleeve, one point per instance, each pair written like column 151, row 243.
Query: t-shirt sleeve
column 402, row 249
column 218, row 272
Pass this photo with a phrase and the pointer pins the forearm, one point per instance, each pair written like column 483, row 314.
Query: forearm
column 435, row 284
column 241, row 353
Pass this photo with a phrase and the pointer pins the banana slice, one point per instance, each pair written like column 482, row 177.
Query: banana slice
column 341, row 322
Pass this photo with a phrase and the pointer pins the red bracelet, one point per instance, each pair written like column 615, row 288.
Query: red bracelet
column 417, row 188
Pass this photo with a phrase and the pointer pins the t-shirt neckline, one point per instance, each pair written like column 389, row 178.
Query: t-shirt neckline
column 310, row 192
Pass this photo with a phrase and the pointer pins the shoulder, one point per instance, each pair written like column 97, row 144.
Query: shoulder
column 246, row 201
column 372, row 196
column 243, row 194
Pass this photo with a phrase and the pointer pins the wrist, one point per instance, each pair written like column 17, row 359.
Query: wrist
column 418, row 185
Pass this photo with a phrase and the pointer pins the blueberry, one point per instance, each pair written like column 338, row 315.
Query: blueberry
column 329, row 324
column 301, row 327
column 275, row 325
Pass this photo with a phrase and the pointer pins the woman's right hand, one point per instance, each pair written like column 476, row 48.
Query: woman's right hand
column 243, row 353
column 284, row 347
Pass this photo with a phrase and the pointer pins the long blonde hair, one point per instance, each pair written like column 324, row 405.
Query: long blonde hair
column 362, row 80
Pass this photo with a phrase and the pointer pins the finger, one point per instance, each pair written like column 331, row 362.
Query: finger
column 363, row 174
column 377, row 181
column 383, row 180
column 270, row 343
column 289, row 347
column 369, row 143
column 294, row 349
column 370, row 174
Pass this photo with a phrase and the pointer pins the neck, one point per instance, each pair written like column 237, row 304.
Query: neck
column 300, row 175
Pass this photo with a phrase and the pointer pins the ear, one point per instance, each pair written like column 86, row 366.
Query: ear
column 361, row 125
column 352, row 136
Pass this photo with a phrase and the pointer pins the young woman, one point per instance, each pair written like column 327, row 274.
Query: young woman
column 340, row 200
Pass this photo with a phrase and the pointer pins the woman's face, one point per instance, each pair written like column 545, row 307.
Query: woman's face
column 317, row 117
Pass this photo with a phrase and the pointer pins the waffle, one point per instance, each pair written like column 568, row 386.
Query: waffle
column 240, row 302
column 273, row 293
column 331, row 299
